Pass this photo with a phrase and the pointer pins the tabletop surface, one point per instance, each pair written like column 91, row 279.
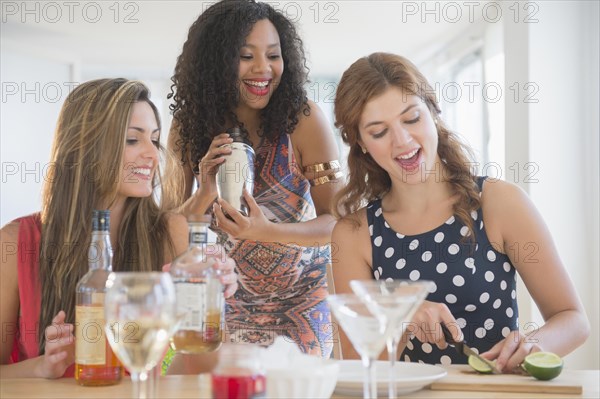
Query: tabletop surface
column 198, row 386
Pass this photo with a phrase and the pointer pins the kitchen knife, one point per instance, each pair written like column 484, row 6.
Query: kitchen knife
column 462, row 347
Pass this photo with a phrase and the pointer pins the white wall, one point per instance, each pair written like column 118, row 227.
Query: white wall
column 591, row 172
column 557, row 132
column 516, row 130
column 34, row 87
column 561, row 129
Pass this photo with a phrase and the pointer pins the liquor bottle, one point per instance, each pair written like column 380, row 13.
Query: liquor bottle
column 95, row 362
column 200, row 299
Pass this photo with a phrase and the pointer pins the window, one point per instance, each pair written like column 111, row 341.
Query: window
column 461, row 98
column 322, row 91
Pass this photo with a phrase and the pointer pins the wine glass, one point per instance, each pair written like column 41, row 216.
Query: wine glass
column 140, row 319
column 394, row 302
column 152, row 381
column 365, row 331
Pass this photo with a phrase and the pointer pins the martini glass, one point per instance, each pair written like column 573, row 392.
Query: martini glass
column 365, row 331
column 394, row 302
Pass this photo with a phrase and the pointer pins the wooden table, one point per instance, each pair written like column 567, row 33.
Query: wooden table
column 199, row 387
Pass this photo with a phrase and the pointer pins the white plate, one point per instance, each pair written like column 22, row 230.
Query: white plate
column 410, row 377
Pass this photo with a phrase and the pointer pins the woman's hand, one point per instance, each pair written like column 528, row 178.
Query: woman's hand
column 426, row 324
column 510, row 352
column 255, row 227
column 226, row 266
column 228, row 277
column 209, row 164
column 60, row 348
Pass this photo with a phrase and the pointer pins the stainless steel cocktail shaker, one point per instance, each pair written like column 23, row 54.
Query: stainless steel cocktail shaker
column 237, row 172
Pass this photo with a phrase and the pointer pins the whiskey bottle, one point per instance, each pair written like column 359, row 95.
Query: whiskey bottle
column 95, row 362
column 200, row 299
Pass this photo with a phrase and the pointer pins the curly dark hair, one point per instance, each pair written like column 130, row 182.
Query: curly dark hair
column 205, row 83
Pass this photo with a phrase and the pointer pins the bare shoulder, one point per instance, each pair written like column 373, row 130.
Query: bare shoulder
column 503, row 197
column 351, row 227
column 313, row 137
column 313, row 125
column 351, row 250
column 10, row 232
column 312, row 118
column 9, row 240
column 508, row 211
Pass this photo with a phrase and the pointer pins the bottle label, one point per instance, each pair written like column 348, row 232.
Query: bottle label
column 90, row 341
column 198, row 237
column 191, row 302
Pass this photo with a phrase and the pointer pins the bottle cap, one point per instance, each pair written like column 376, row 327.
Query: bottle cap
column 238, row 134
column 101, row 220
column 94, row 220
column 234, row 131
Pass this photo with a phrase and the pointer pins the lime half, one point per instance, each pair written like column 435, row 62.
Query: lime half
column 543, row 365
column 479, row 366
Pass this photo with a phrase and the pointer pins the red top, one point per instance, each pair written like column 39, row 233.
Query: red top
column 26, row 338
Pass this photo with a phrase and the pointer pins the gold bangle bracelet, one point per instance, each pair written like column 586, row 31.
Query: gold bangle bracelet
column 325, row 179
column 321, row 167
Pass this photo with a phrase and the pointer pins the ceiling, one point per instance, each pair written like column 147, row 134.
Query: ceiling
column 147, row 36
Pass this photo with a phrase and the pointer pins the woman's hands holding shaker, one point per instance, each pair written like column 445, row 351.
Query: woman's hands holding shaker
column 209, row 164
column 254, row 227
column 236, row 211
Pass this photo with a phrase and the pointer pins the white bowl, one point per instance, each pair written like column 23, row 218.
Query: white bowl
column 315, row 382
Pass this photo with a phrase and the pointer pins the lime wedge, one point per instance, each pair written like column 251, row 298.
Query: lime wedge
column 479, row 366
column 543, row 365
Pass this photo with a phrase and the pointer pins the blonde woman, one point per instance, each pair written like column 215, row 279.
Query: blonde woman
column 105, row 155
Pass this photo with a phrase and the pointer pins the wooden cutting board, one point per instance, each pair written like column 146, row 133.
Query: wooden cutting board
column 463, row 378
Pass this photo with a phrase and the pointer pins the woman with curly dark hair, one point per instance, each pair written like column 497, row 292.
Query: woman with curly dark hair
column 243, row 65
column 427, row 216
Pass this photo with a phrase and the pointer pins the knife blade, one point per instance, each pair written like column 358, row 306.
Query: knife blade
column 462, row 347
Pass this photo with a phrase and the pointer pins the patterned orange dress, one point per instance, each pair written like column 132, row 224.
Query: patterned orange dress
column 282, row 287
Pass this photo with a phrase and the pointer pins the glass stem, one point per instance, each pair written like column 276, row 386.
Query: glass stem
column 140, row 386
column 392, row 347
column 153, row 374
column 370, row 382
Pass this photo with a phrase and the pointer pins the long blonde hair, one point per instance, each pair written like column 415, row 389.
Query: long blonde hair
column 86, row 161
column 365, row 79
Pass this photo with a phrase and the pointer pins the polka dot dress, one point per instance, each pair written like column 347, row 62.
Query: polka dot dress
column 477, row 283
